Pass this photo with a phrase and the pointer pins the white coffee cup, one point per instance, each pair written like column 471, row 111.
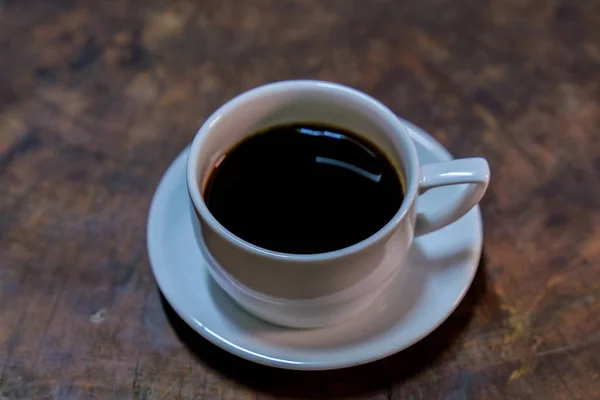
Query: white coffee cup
column 311, row 290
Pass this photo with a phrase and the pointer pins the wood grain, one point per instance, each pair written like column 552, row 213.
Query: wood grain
column 97, row 98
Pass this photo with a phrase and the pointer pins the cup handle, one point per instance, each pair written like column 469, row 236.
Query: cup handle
column 474, row 171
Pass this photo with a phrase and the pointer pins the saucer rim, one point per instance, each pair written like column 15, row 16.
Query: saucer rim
column 416, row 134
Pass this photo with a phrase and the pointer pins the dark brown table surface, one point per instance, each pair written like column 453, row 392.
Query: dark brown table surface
column 98, row 97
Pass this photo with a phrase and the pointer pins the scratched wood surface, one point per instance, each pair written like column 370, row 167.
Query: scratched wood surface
column 97, row 98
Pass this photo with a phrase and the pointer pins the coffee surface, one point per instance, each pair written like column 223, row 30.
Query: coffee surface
column 304, row 189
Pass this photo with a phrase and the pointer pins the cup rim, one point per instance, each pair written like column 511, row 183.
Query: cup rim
column 379, row 109
column 237, row 288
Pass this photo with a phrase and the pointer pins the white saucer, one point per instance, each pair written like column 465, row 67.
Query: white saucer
column 441, row 267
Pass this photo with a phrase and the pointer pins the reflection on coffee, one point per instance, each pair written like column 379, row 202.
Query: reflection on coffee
column 304, row 189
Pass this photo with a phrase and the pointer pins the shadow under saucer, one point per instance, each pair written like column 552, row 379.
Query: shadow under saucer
column 375, row 377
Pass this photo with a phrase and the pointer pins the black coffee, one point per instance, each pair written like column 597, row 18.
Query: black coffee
column 304, row 189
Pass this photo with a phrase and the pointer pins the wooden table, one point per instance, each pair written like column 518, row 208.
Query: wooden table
column 97, row 98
